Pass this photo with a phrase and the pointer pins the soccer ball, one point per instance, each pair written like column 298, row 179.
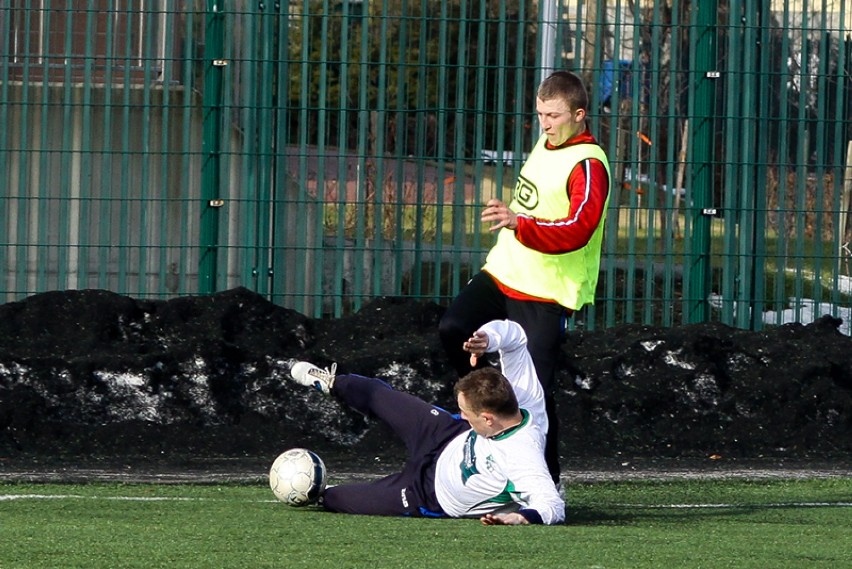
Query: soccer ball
column 297, row 477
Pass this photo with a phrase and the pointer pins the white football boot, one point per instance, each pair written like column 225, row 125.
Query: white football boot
column 306, row 373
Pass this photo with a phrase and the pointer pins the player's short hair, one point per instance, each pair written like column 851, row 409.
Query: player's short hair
column 486, row 389
column 567, row 86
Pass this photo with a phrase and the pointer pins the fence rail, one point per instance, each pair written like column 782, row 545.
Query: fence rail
column 323, row 153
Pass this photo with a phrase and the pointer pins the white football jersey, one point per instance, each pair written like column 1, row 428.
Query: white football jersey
column 476, row 475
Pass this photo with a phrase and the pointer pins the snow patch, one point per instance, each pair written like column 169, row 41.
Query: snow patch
column 130, row 400
column 807, row 310
column 801, row 310
column 583, row 382
column 673, row 359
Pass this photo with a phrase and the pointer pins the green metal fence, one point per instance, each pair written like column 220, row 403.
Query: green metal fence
column 323, row 153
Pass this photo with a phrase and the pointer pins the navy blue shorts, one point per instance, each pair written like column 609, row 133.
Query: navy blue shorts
column 425, row 430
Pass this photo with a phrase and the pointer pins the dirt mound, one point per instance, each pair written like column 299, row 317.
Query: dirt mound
column 95, row 374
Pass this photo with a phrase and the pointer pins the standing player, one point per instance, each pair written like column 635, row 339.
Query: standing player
column 545, row 262
column 488, row 464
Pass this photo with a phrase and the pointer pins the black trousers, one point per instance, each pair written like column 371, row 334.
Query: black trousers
column 481, row 301
column 425, row 430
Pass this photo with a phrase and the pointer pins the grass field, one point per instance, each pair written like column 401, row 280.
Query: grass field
column 633, row 524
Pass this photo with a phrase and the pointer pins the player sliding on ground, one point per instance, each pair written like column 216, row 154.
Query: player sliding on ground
column 488, row 464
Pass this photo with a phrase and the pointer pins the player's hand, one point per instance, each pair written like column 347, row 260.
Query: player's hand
column 510, row 519
column 499, row 215
column 476, row 345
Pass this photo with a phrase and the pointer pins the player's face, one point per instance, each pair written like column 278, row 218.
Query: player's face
column 558, row 121
column 479, row 422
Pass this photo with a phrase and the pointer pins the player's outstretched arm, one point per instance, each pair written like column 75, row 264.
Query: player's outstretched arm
column 504, row 336
column 508, row 338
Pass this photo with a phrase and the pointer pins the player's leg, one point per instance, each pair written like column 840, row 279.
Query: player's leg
column 402, row 494
column 544, row 324
column 424, row 429
column 421, row 426
column 387, row 496
column 551, row 441
column 480, row 301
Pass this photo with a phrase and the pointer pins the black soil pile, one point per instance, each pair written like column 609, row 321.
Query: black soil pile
column 91, row 375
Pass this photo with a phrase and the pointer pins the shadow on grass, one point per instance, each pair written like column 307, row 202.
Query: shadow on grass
column 639, row 515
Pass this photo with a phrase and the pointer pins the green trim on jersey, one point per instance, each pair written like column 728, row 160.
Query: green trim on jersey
column 512, row 430
column 507, row 496
column 468, row 463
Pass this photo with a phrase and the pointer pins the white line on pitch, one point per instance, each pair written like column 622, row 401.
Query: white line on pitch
column 733, row 506
column 10, row 497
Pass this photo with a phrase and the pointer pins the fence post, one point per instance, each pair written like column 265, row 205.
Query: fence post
column 843, row 254
column 211, row 146
column 547, row 39
column 701, row 115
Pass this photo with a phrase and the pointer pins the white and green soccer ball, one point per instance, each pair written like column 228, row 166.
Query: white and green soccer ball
column 297, row 477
